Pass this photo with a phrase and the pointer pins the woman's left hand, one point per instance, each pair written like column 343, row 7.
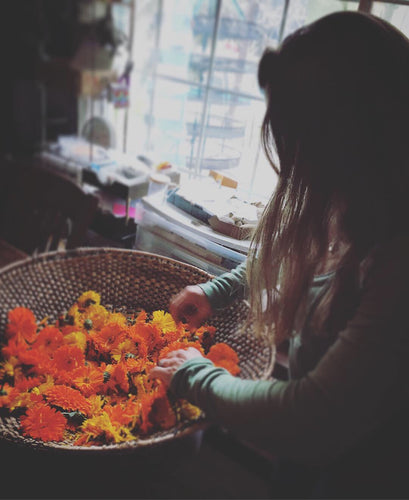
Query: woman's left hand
column 168, row 365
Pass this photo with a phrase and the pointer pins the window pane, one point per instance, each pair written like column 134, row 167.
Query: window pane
column 302, row 12
column 398, row 15
column 245, row 29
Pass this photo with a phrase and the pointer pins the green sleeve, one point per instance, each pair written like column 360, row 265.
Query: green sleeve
column 221, row 291
column 359, row 383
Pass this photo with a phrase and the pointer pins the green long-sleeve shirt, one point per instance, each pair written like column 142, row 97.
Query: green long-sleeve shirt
column 339, row 389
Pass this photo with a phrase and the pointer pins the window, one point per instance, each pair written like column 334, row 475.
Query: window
column 194, row 97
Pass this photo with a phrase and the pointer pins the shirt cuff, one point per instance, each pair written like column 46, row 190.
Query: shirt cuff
column 179, row 384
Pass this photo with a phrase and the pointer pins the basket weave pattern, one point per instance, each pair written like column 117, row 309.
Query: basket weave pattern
column 127, row 280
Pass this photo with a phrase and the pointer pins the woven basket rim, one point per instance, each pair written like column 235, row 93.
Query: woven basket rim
column 82, row 251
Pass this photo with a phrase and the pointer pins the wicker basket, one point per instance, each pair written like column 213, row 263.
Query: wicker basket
column 49, row 283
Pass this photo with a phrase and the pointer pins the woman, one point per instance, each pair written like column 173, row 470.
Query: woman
column 328, row 267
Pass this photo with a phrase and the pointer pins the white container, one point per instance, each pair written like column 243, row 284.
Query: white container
column 158, row 185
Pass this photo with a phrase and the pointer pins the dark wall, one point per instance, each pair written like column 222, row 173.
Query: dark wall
column 38, row 101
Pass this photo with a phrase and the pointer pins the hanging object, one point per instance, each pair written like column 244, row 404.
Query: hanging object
column 120, row 93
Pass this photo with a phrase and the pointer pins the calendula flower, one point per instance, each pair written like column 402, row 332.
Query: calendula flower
column 67, row 358
column 76, row 338
column 150, row 334
column 27, row 383
column 68, row 399
column 49, row 339
column 163, row 321
column 118, row 319
column 175, row 346
column 88, row 298
column 118, row 380
column 162, row 413
column 205, row 335
column 189, row 411
column 101, row 428
column 21, row 324
column 23, row 399
column 88, row 379
column 224, row 356
column 43, row 422
column 8, row 368
column 97, row 314
column 127, row 347
column 108, row 338
column 140, row 346
column 5, row 392
column 123, row 413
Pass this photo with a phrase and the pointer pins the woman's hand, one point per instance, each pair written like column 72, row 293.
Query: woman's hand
column 169, row 364
column 190, row 305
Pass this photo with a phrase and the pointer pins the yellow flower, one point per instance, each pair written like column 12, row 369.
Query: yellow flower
column 102, row 427
column 88, row 298
column 189, row 411
column 118, row 319
column 76, row 315
column 49, row 382
column 164, row 321
column 125, row 347
column 8, row 368
column 97, row 314
column 78, row 339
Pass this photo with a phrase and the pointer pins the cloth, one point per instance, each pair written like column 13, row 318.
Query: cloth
column 339, row 394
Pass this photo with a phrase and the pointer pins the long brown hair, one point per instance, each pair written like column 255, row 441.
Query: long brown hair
column 337, row 115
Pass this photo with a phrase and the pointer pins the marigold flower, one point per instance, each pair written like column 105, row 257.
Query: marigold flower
column 67, row 358
column 21, row 324
column 88, row 379
column 108, row 337
column 49, row 338
column 162, row 413
column 118, row 319
column 27, row 383
column 97, row 314
column 88, row 298
column 175, row 346
column 101, row 427
column 68, row 398
column 163, row 321
column 224, row 356
column 43, row 422
column 76, row 338
column 118, row 380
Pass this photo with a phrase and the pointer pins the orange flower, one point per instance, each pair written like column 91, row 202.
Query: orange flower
column 5, row 395
column 150, row 334
column 162, row 413
column 49, row 338
column 14, row 347
column 224, row 356
column 25, row 384
column 67, row 358
column 43, row 422
column 68, row 399
column 118, row 380
column 88, row 379
column 205, row 334
column 108, row 337
column 123, row 413
column 175, row 346
column 22, row 324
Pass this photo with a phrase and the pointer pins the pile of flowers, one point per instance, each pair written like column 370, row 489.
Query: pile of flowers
column 85, row 378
